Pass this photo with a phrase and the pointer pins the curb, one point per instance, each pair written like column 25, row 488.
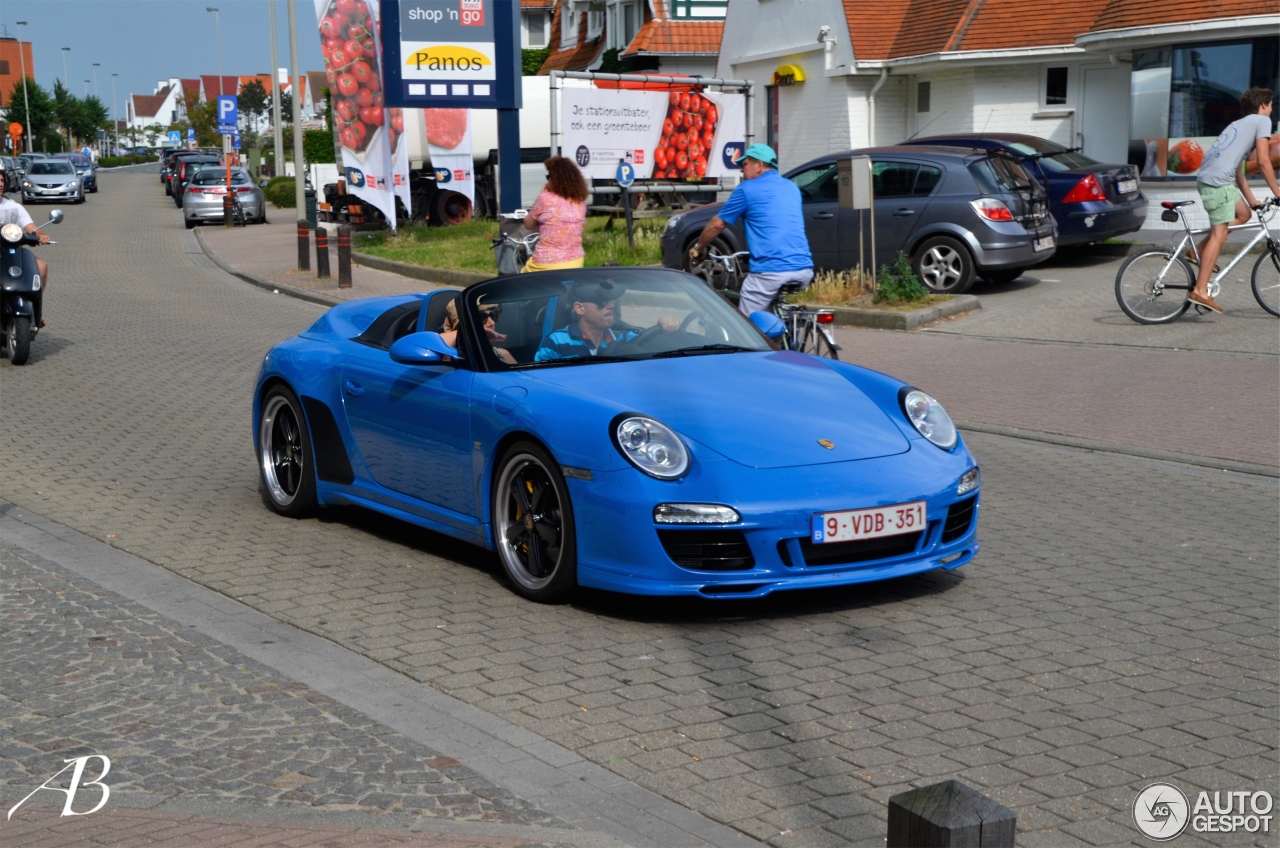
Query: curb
column 436, row 276
column 1124, row 450
column 847, row 316
column 276, row 288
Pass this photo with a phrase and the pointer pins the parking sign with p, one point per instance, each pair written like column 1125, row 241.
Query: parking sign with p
column 227, row 114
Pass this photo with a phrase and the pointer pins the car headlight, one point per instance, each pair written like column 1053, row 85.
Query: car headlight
column 71, row 184
column 928, row 417
column 11, row 233
column 671, row 223
column 26, row 184
column 651, row 446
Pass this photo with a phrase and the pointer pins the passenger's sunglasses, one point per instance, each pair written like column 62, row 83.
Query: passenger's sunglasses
column 494, row 312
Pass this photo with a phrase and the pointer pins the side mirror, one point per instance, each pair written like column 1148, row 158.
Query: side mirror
column 769, row 324
column 56, row 216
column 263, row 183
column 421, row 349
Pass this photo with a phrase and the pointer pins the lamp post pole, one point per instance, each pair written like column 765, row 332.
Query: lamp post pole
column 277, row 166
column 115, row 114
column 96, row 65
column 66, row 84
column 217, row 25
column 22, row 60
column 299, row 175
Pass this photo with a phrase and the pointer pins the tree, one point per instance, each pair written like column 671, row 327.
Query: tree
column 43, row 115
column 203, row 116
column 532, row 60
column 253, row 103
column 286, row 107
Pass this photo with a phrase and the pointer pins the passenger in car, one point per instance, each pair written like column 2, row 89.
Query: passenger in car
column 491, row 313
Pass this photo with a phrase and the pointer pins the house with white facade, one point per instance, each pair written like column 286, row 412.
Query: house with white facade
column 1126, row 80
column 160, row 107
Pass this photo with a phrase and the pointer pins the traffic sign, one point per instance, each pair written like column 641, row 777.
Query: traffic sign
column 175, row 137
column 626, row 174
column 191, row 133
column 235, row 140
column 227, row 114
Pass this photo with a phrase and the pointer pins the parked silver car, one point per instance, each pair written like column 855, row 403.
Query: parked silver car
column 202, row 197
column 52, row 179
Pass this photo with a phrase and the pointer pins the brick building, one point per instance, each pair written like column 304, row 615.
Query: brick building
column 11, row 64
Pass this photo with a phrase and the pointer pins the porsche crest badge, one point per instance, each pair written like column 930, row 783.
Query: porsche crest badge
column 827, row 443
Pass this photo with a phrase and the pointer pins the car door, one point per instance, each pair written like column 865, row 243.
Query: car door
column 901, row 191
column 411, row 424
column 819, row 199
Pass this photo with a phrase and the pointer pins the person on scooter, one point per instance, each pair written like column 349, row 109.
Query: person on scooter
column 15, row 213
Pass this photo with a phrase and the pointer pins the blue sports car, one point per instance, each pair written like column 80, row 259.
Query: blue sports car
column 623, row 429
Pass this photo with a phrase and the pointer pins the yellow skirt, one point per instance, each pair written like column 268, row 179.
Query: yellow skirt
column 531, row 266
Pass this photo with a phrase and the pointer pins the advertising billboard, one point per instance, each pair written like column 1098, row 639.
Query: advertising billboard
column 375, row 161
column 676, row 135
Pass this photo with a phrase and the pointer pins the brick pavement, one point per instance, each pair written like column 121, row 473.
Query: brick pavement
column 1118, row 628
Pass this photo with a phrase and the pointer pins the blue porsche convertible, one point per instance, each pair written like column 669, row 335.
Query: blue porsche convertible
column 623, row 429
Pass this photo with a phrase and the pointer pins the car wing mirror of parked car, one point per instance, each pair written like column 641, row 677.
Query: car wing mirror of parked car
column 421, row 349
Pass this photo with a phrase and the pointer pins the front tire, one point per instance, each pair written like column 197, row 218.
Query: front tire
column 1150, row 290
column 191, row 225
column 533, row 526
column 19, row 340
column 944, row 265
column 1266, row 281
column 285, row 459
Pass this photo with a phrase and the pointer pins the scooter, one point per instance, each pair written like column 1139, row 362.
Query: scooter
column 21, row 289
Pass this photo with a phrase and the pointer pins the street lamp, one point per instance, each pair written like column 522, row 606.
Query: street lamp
column 22, row 59
column 86, row 89
column 217, row 23
column 65, row 51
column 115, row 115
column 96, row 65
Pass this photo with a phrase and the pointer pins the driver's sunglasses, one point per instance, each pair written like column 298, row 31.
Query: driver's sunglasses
column 602, row 303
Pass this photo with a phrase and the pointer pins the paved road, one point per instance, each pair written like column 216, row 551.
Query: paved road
column 1118, row 627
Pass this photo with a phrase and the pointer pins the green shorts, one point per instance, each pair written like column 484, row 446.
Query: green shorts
column 1219, row 202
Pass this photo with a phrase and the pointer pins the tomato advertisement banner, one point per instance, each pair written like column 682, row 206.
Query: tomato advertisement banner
column 681, row 135
column 375, row 162
column 449, row 143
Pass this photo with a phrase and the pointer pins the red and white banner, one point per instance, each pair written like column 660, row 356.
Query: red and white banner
column 375, row 162
column 449, row 143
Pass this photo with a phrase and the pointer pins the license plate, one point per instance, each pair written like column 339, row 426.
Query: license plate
column 1127, row 186
column 1043, row 243
column 856, row 524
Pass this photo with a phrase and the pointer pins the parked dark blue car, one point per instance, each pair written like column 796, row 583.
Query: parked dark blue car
column 1089, row 200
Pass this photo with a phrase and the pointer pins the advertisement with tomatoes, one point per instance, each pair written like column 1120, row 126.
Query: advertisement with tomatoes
column 369, row 133
column 449, row 143
column 683, row 135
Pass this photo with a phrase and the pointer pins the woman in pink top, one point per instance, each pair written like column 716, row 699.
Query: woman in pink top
column 559, row 214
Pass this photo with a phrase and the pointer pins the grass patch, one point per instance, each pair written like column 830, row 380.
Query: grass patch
column 469, row 247
column 849, row 288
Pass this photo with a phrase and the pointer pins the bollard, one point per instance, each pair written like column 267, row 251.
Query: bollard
column 344, row 257
column 227, row 217
column 948, row 814
column 322, row 253
column 304, row 245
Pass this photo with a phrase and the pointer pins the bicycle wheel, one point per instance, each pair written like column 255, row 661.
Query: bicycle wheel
column 1266, row 281
column 1151, row 289
column 824, row 344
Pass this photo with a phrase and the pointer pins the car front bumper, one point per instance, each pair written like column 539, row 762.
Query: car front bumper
column 622, row 549
column 33, row 195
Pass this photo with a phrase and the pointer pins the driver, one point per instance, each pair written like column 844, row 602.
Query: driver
column 590, row 328
column 15, row 213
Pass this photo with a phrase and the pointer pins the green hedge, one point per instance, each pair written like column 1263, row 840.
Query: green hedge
column 117, row 161
column 317, row 147
column 280, row 191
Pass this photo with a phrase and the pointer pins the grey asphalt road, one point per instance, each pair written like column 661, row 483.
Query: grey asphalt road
column 1117, row 629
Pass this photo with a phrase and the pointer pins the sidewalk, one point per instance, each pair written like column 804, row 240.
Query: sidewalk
column 1065, row 375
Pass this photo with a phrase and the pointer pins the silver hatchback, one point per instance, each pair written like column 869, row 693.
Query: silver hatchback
column 202, row 197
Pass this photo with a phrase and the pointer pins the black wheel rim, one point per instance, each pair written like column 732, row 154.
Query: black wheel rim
column 530, row 527
column 281, row 446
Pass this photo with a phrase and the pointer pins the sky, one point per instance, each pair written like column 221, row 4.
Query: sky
column 145, row 41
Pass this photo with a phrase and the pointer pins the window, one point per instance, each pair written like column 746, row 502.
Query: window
column 4, row 67
column 922, row 96
column 568, row 25
column 893, row 179
column 1055, row 86
column 927, row 181
column 630, row 22
column 818, row 184
column 535, row 30
column 595, row 25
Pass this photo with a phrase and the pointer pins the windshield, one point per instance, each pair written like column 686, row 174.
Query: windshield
column 218, row 176
column 78, row 159
column 602, row 315
column 1055, row 157
column 50, row 166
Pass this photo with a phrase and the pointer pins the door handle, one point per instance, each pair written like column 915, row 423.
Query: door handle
column 353, row 388
column 904, row 213
column 824, row 216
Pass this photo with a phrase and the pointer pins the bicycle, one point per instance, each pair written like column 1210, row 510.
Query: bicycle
column 806, row 330
column 238, row 216
column 1153, row 287
column 511, row 253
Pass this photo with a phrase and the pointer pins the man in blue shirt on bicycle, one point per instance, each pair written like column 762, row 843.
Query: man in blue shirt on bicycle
column 769, row 206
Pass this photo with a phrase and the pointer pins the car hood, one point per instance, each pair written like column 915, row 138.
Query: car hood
column 763, row 410
column 50, row 179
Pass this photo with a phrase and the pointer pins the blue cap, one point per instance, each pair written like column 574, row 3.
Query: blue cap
column 761, row 153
